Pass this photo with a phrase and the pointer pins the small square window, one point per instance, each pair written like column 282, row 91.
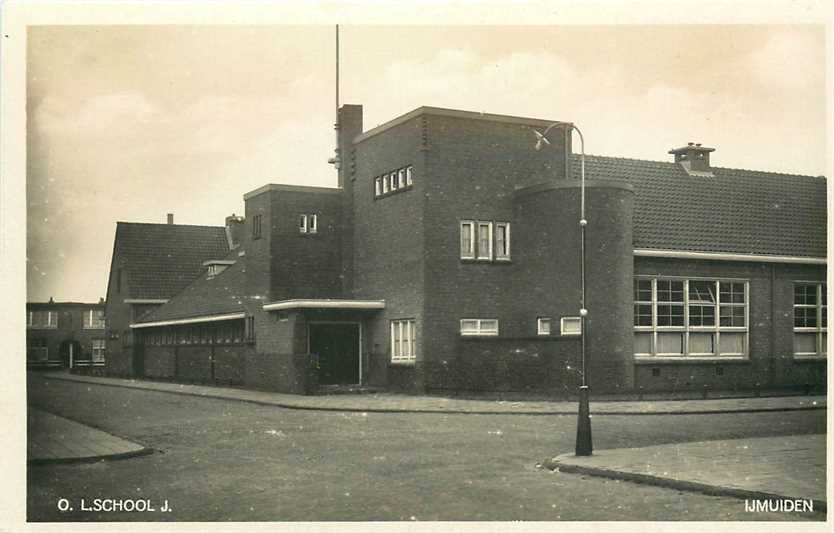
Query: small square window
column 543, row 326
column 571, row 325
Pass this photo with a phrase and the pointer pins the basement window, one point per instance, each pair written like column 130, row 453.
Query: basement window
column 571, row 325
column 543, row 326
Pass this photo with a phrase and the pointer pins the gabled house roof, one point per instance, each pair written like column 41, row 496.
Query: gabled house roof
column 736, row 211
column 160, row 260
column 221, row 294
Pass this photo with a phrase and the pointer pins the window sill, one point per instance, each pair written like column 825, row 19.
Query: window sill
column 401, row 364
column 688, row 359
column 809, row 357
column 473, row 260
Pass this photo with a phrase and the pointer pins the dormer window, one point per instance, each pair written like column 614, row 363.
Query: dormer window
column 215, row 267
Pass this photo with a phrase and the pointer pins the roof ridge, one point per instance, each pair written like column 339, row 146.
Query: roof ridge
column 672, row 163
column 165, row 224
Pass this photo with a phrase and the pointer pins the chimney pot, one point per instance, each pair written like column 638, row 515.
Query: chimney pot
column 170, row 218
column 690, row 144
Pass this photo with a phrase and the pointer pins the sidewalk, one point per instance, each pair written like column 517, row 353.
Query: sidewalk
column 54, row 439
column 790, row 467
column 401, row 403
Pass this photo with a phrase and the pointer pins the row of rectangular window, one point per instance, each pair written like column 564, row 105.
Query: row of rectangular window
column 697, row 317
column 38, row 351
column 231, row 332
column 479, row 242
column 394, row 181
column 91, row 319
column 488, row 327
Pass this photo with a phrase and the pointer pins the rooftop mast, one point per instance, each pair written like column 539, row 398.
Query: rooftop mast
column 336, row 160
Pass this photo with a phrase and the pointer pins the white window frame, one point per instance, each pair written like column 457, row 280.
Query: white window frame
column 409, row 176
column 480, row 328
column 302, row 226
column 820, row 332
column 544, row 325
column 378, row 186
column 470, row 253
column 403, row 336
column 565, row 326
column 395, row 182
column 402, row 179
column 98, row 349
column 716, row 329
column 51, row 320
column 480, row 255
column 312, row 223
column 386, row 184
column 498, row 255
column 88, row 321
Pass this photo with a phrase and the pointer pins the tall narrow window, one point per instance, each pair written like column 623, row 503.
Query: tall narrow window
column 403, row 341
column 810, row 319
column 256, row 226
column 502, row 241
column 395, row 184
column 378, row 186
column 467, row 239
column 401, row 178
column 485, row 240
column 409, row 175
column 313, row 223
column 386, row 184
column 302, row 223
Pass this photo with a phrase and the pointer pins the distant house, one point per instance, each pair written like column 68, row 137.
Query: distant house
column 65, row 335
column 150, row 264
column 447, row 258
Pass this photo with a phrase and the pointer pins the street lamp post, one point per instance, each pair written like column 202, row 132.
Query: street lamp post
column 584, row 442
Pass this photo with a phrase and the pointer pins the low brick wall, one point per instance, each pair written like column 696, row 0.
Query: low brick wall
column 290, row 373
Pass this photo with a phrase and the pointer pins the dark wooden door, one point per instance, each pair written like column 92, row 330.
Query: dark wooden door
column 337, row 349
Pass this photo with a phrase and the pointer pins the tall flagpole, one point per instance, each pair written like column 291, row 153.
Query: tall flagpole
column 336, row 160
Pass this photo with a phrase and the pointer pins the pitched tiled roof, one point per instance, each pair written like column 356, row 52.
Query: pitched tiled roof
column 220, row 294
column 161, row 259
column 736, row 211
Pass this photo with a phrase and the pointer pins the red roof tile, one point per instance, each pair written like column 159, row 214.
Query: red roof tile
column 736, row 211
column 162, row 259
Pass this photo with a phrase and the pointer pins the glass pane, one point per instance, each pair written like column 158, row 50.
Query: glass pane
column 732, row 316
column 670, row 343
column 824, row 342
column 701, row 315
column 642, row 315
column 669, row 291
column 643, row 343
column 732, row 343
column 805, row 343
column 702, row 343
column 466, row 239
column 468, row 326
column 805, row 295
column 489, row 326
column 825, row 317
column 544, row 326
column 805, row 317
column 670, row 315
column 701, row 292
column 642, row 290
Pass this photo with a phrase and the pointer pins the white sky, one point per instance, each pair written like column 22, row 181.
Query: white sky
column 132, row 122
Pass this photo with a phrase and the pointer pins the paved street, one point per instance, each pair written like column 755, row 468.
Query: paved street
column 227, row 460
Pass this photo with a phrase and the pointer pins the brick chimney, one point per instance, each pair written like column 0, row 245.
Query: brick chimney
column 694, row 159
column 234, row 230
column 170, row 218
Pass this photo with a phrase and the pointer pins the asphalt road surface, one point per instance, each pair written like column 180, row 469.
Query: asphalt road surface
column 218, row 460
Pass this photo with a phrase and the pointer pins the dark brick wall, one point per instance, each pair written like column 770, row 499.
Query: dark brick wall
column 194, row 363
column 305, row 265
column 771, row 362
column 388, row 259
column 258, row 250
column 161, row 362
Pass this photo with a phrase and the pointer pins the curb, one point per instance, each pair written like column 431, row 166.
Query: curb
column 690, row 486
column 90, row 459
column 138, row 386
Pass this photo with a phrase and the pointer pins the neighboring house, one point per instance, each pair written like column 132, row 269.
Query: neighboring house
column 150, row 264
column 448, row 259
column 65, row 335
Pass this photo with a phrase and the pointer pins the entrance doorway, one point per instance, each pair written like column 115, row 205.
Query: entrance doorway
column 70, row 352
column 337, row 348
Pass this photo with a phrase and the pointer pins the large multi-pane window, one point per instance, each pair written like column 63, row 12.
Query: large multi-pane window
column 94, row 319
column 485, row 240
column 42, row 319
column 403, row 341
column 690, row 317
column 810, row 319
